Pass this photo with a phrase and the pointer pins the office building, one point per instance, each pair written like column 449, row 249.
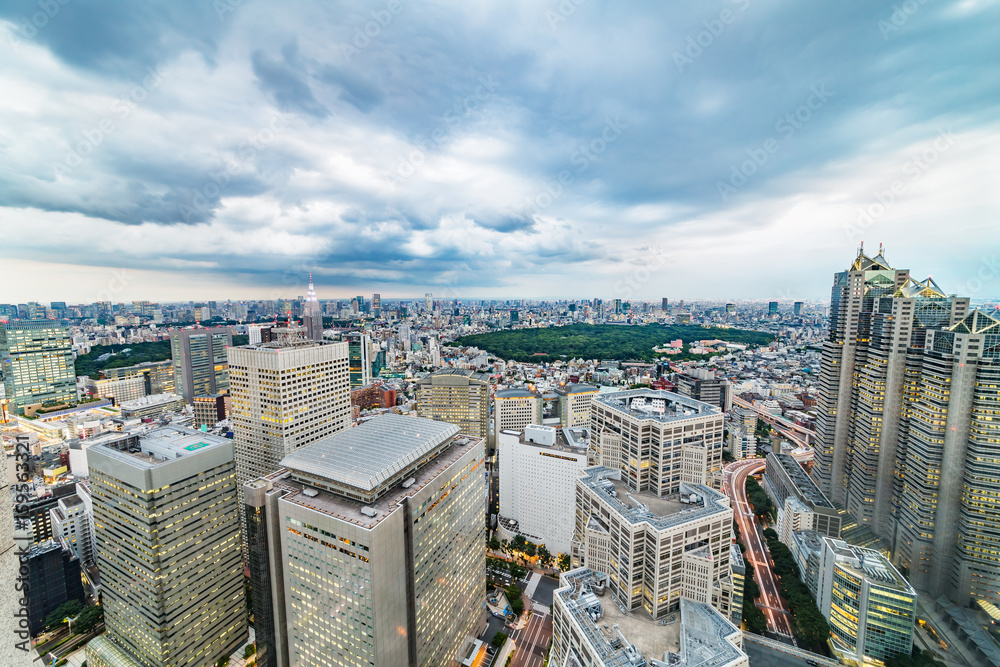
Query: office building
column 166, row 515
column 33, row 520
column 152, row 406
column 200, row 360
column 382, row 523
column 800, row 503
column 589, row 630
column 871, row 608
column 742, row 443
column 36, row 361
column 53, row 578
column 876, row 314
column 664, row 303
column 359, row 346
column 702, row 385
column 514, row 409
column 210, row 410
column 653, row 549
column 946, row 507
column 730, row 308
column 285, row 394
column 574, row 404
column 456, row 396
column 538, row 468
column 312, row 314
column 797, row 308
column 658, row 439
column 71, row 524
column 118, row 390
column 157, row 376
column 772, row 308
column 377, row 305
column 739, row 582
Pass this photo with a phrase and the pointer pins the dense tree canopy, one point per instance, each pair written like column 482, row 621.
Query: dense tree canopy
column 602, row 341
column 138, row 353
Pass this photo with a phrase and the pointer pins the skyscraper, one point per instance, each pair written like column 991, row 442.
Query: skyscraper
column 797, row 308
column 877, row 315
column 360, row 354
column 946, row 507
column 367, row 548
column 286, row 394
column 166, row 515
column 456, row 396
column 200, row 360
column 377, row 305
column 36, row 359
column 429, row 301
column 312, row 313
column 772, row 308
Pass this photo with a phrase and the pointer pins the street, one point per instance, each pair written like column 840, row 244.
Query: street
column 532, row 641
column 770, row 602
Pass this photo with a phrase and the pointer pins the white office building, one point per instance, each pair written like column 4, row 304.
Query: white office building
column 539, row 466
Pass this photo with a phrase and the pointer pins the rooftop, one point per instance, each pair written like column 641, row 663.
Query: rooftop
column 373, row 455
column 656, row 404
column 348, row 509
column 567, row 440
column 159, row 446
column 803, row 482
column 516, row 392
column 577, row 388
column 644, row 507
column 869, row 564
column 461, row 372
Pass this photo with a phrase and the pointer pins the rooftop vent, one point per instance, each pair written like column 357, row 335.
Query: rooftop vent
column 309, row 491
column 410, row 482
column 369, row 511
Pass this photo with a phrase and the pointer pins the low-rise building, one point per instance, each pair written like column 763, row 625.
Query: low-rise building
column 785, row 478
column 152, row 406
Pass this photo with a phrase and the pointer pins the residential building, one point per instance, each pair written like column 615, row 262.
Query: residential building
column 118, row 390
column 457, row 396
column 742, row 443
column 800, row 503
column 165, row 511
column 590, row 630
column 200, row 361
column 538, row 468
column 653, row 549
column 574, row 404
column 285, row 394
column 871, row 608
column 382, row 523
column 53, row 578
column 658, row 439
column 36, row 362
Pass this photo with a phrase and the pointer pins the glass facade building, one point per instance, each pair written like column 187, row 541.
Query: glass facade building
column 369, row 546
column 36, row 361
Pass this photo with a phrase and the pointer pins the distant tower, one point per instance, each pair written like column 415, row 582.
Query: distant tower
column 312, row 314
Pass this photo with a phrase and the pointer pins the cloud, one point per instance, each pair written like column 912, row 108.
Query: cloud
column 490, row 148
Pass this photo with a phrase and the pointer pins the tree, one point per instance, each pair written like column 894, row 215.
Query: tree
column 499, row 638
column 494, row 543
column 69, row 609
column 516, row 571
column 770, row 534
column 564, row 562
column 530, row 550
column 88, row 619
column 544, row 556
column 519, row 543
column 505, row 546
column 249, row 651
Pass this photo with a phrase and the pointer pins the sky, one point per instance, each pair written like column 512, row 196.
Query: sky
column 721, row 149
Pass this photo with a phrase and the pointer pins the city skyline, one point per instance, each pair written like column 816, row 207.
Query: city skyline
column 494, row 149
